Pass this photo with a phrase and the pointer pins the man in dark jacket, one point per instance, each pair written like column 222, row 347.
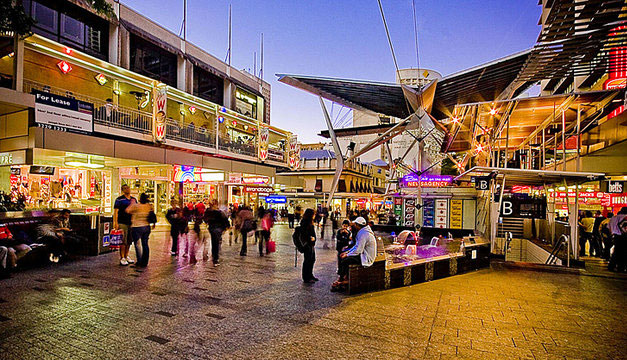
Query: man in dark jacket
column 343, row 240
column 175, row 217
column 218, row 223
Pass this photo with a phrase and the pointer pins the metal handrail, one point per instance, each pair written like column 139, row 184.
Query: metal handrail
column 559, row 245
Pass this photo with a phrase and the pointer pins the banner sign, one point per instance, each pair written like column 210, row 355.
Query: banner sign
column 255, row 180
column 294, row 152
column 275, row 199
column 398, row 207
column 431, row 181
column 264, row 134
column 410, row 212
column 159, row 110
column 62, row 113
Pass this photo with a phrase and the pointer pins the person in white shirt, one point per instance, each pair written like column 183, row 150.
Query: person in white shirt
column 362, row 253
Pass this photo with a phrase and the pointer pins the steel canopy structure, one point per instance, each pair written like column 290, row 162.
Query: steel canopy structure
column 481, row 83
column 530, row 176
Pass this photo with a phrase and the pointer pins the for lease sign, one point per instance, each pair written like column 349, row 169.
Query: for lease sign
column 63, row 113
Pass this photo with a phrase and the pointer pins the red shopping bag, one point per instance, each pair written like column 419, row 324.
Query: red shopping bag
column 271, row 246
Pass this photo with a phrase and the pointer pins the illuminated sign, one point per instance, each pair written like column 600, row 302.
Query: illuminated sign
column 413, row 181
column 582, row 194
column 195, row 174
column 63, row 113
column 275, row 199
column 615, row 187
column 618, row 200
column 617, row 74
column 255, row 180
column 264, row 134
column 258, row 189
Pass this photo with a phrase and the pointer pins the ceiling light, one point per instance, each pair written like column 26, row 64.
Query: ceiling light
column 493, row 111
column 561, row 188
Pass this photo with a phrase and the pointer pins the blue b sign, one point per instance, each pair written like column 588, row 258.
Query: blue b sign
column 275, row 199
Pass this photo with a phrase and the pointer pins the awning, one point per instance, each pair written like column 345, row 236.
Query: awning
column 531, row 177
column 149, row 37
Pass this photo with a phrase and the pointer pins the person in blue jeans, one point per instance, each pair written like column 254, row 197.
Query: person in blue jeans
column 142, row 216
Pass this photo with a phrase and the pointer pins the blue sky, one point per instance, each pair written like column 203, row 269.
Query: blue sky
column 346, row 38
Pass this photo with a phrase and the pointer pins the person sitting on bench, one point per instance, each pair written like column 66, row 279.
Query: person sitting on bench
column 362, row 253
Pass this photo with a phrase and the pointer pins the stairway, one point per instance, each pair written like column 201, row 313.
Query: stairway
column 513, row 225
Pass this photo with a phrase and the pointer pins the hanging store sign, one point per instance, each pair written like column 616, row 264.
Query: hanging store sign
column 521, row 207
column 258, row 189
column 481, row 182
column 431, row 181
column 62, row 113
column 275, row 199
column 159, row 107
column 264, row 134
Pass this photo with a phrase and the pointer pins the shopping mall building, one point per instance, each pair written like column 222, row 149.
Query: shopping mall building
column 88, row 103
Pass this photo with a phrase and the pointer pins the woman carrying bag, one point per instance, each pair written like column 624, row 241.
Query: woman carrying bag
column 142, row 215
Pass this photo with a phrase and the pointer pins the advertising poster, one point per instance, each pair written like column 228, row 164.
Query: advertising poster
column 62, row 113
column 410, row 212
column 428, row 213
column 441, row 213
column 457, row 214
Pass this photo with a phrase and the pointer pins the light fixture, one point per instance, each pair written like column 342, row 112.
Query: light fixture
column 67, row 50
column 479, row 148
column 192, row 109
column 245, row 127
column 116, row 91
column 223, row 109
column 220, row 119
column 101, row 79
column 11, row 54
column 551, row 190
column 144, row 103
column 82, row 160
column 234, row 123
column 561, row 188
column 456, row 119
column 64, row 66
column 493, row 111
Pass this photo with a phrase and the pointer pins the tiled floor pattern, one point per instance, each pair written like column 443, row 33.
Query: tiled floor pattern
column 257, row 308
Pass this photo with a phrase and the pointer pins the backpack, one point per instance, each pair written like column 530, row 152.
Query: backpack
column 297, row 238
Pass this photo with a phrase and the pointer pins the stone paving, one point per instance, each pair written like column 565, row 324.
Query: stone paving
column 257, row 308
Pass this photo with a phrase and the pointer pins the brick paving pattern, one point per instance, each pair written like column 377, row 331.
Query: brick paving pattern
column 257, row 308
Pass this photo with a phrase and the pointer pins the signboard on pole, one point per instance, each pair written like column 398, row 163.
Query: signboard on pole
column 482, row 182
column 62, row 113
column 159, row 110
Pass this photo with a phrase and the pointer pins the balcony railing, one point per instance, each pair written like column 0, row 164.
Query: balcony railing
column 108, row 114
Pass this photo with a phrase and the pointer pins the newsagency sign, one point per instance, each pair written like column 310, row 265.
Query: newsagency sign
column 63, row 113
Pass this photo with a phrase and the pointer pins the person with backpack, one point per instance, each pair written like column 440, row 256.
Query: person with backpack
column 343, row 241
column 218, row 223
column 245, row 223
column 307, row 240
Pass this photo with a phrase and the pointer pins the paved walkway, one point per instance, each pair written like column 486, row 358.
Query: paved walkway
column 257, row 308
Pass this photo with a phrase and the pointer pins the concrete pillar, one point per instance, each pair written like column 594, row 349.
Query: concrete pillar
column 180, row 73
column 114, row 37
column 228, row 94
column 18, row 64
column 124, row 47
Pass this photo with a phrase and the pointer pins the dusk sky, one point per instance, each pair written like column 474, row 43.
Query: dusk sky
column 346, row 38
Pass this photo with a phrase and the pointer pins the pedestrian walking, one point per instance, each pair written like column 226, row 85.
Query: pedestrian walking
column 267, row 221
column 290, row 215
column 587, row 226
column 245, row 223
column 122, row 221
column 218, row 223
column 174, row 215
column 142, row 216
column 197, row 238
column 308, row 239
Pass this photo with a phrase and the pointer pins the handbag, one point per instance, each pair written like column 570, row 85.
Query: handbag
column 271, row 246
column 152, row 217
column 116, row 239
